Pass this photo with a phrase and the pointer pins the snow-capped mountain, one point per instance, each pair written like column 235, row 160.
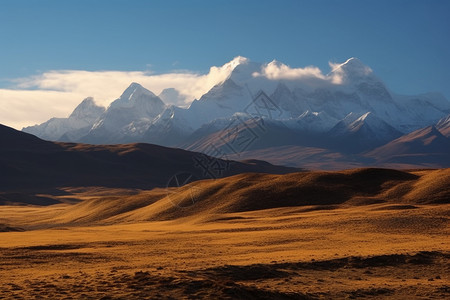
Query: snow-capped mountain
column 76, row 125
column 315, row 122
column 222, row 101
column 349, row 109
column 171, row 95
column 355, row 134
column 127, row 118
column 170, row 127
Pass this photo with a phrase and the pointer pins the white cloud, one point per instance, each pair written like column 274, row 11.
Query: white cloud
column 336, row 74
column 21, row 108
column 35, row 99
column 56, row 93
column 276, row 70
column 105, row 86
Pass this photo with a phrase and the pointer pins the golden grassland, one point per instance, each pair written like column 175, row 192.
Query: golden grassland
column 366, row 233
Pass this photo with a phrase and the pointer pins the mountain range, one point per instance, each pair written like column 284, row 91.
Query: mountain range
column 29, row 163
column 345, row 118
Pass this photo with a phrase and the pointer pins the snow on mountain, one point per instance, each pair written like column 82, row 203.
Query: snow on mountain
column 353, row 72
column 87, row 111
column 222, row 101
column 355, row 89
column 239, row 92
column 314, row 122
column 80, row 120
column 355, row 134
column 142, row 101
column 242, row 68
column 172, row 96
column 381, row 131
column 127, row 118
column 348, row 109
column 239, row 133
column 220, row 125
column 419, row 111
column 170, row 127
column 289, row 102
column 443, row 125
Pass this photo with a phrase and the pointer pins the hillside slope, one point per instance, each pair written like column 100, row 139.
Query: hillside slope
column 28, row 162
column 211, row 199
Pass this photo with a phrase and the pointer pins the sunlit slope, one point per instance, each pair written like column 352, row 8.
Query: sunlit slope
column 208, row 199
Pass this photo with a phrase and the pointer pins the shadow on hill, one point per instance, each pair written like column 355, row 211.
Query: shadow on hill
column 211, row 200
column 28, row 162
column 24, row 198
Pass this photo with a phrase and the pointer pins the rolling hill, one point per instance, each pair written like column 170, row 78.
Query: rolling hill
column 209, row 200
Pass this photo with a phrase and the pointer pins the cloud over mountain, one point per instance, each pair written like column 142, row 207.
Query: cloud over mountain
column 276, row 70
column 258, row 106
column 56, row 92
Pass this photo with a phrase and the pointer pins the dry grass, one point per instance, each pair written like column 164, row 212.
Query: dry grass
column 366, row 233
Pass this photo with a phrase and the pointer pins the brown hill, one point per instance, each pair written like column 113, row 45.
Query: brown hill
column 424, row 146
column 211, row 199
column 29, row 162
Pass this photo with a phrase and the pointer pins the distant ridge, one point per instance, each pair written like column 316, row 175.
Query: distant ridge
column 423, row 145
column 349, row 111
column 29, row 162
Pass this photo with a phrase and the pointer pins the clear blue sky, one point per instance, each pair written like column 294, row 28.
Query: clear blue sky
column 407, row 43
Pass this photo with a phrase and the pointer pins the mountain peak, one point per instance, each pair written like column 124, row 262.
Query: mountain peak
column 353, row 64
column 238, row 60
column 365, row 116
column 222, row 91
column 87, row 102
column 134, row 94
column 379, row 127
column 135, row 90
column 135, row 85
column 242, row 69
column 87, row 109
column 172, row 96
column 353, row 61
column 351, row 71
column 132, row 112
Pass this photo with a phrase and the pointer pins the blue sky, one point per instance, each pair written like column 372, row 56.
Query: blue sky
column 406, row 43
